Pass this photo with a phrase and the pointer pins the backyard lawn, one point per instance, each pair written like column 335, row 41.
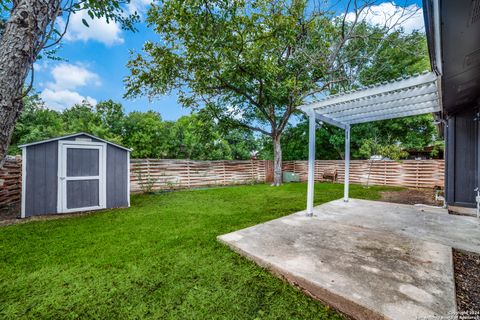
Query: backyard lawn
column 159, row 259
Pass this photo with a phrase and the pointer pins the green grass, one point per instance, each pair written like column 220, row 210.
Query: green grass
column 157, row 259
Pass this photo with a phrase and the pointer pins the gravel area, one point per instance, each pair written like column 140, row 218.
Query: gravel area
column 467, row 280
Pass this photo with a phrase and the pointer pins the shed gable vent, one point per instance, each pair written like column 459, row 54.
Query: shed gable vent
column 475, row 13
column 83, row 139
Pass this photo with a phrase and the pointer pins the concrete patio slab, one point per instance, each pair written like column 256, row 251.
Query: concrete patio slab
column 370, row 260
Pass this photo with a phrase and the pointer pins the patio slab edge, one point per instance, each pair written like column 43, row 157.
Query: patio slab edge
column 310, row 288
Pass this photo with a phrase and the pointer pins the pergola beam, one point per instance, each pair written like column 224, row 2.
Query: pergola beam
column 354, row 105
column 398, row 115
column 385, row 104
column 372, row 91
column 393, row 111
column 330, row 121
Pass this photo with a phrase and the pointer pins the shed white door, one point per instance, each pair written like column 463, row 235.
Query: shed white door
column 81, row 184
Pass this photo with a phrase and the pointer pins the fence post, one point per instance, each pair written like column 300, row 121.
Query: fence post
column 416, row 172
column 188, row 173
column 251, row 170
column 148, row 171
column 384, row 173
column 224, row 173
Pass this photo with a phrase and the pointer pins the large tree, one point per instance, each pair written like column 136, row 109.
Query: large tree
column 402, row 55
column 35, row 123
column 252, row 63
column 28, row 29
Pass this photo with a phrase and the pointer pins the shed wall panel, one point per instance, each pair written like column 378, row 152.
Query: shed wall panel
column 117, row 177
column 41, row 179
column 82, row 193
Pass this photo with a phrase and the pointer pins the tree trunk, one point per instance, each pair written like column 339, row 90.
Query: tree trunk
column 18, row 48
column 277, row 160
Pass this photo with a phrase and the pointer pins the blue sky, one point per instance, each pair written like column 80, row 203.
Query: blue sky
column 95, row 64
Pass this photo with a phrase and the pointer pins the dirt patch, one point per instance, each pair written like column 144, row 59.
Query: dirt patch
column 56, row 216
column 467, row 280
column 411, row 196
column 10, row 211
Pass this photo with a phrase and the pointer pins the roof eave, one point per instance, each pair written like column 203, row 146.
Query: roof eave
column 71, row 136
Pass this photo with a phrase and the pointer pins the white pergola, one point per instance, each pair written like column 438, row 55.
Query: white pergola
column 401, row 98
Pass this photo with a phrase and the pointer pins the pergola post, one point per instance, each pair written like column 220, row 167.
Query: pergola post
column 311, row 162
column 347, row 163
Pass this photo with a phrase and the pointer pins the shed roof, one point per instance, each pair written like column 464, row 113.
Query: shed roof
column 72, row 136
column 404, row 97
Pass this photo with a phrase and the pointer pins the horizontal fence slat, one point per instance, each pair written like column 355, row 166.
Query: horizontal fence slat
column 10, row 186
column 407, row 173
column 173, row 174
column 188, row 173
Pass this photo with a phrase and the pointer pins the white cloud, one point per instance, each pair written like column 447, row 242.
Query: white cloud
column 40, row 65
column 62, row 99
column 390, row 15
column 138, row 6
column 61, row 92
column 98, row 30
column 72, row 76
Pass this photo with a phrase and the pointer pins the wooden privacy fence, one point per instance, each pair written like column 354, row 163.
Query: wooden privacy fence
column 406, row 173
column 10, row 186
column 174, row 174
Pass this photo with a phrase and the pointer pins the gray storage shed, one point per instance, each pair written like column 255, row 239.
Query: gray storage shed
column 78, row 172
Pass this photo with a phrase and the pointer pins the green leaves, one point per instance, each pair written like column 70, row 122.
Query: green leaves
column 85, row 23
column 238, row 53
column 194, row 136
column 262, row 59
column 5, row 5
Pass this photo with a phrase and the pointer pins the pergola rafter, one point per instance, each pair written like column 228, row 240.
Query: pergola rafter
column 401, row 98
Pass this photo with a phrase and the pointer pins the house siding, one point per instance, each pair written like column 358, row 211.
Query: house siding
column 462, row 158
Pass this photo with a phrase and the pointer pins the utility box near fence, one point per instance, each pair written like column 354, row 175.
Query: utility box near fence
column 291, row 177
column 78, row 172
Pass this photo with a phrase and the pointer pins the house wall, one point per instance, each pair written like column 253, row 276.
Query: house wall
column 462, row 158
